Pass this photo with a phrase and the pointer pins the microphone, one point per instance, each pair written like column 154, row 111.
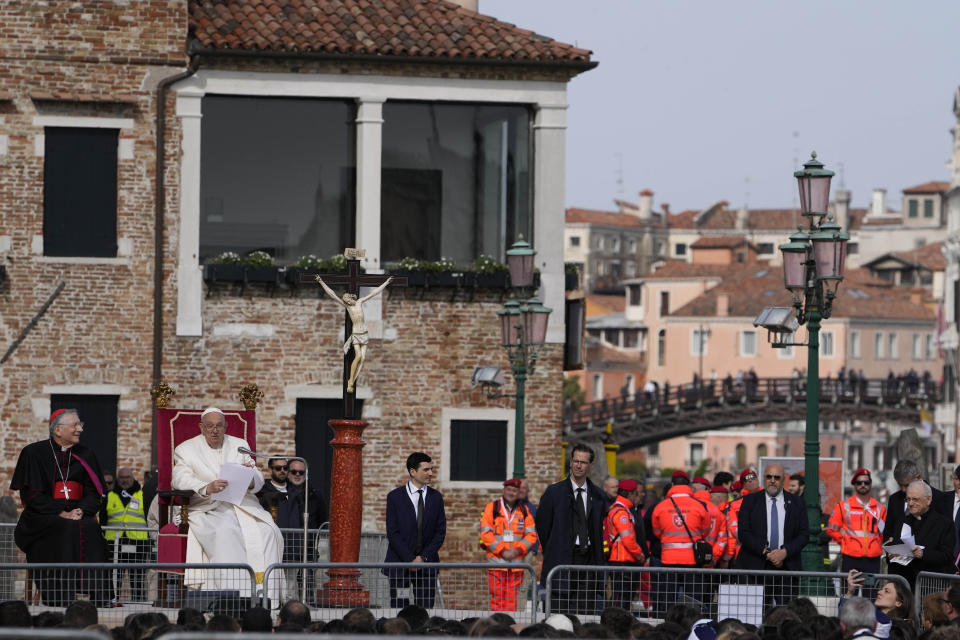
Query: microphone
column 253, row 454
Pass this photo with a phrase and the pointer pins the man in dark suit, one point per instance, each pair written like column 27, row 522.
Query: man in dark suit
column 416, row 527
column 773, row 529
column 570, row 526
column 905, row 472
column 932, row 533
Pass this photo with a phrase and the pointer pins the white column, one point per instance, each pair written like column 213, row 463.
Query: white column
column 189, row 272
column 369, row 149
column 549, row 203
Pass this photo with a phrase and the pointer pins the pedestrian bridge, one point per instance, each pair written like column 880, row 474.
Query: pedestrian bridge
column 647, row 418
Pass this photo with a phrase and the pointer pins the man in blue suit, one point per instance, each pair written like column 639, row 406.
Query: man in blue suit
column 773, row 530
column 416, row 527
column 570, row 526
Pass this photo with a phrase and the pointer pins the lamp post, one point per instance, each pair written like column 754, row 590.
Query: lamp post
column 523, row 332
column 813, row 264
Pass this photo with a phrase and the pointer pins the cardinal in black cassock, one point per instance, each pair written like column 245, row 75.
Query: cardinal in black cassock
column 60, row 486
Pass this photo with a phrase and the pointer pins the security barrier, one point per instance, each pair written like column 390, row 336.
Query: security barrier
column 204, row 586
column 71, row 634
column 928, row 583
column 458, row 589
column 717, row 593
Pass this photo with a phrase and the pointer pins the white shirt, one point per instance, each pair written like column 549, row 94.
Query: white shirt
column 781, row 512
column 282, row 488
column 414, row 496
column 583, row 498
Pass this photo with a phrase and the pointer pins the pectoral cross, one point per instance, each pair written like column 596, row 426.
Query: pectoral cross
column 354, row 357
column 66, row 491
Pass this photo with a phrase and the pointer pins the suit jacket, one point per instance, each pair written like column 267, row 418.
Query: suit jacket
column 934, row 532
column 555, row 525
column 752, row 531
column 402, row 526
column 942, row 503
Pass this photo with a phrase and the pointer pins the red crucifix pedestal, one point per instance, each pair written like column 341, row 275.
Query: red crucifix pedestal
column 346, row 490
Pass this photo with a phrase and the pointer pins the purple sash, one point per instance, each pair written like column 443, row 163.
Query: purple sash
column 93, row 476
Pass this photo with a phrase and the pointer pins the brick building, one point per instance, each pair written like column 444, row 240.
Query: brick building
column 410, row 129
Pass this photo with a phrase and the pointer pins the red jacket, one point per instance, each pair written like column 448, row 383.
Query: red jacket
column 620, row 519
column 668, row 525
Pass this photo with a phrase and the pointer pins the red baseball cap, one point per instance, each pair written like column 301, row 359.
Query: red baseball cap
column 747, row 474
column 860, row 472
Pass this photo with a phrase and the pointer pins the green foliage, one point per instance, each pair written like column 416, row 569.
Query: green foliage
column 408, row 264
column 257, row 259
column 667, row 472
column 331, row 264
column 440, row 266
column 571, row 268
column 701, row 469
column 488, row 265
column 227, row 257
column 631, row 469
column 573, row 392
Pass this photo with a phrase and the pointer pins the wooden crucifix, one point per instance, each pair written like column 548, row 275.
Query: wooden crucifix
column 354, row 327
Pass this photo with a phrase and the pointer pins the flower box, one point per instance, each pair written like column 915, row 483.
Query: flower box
column 240, row 273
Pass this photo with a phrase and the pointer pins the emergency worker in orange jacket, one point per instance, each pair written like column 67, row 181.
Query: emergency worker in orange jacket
column 718, row 522
column 678, row 521
column 857, row 524
column 749, row 483
column 507, row 534
column 626, row 548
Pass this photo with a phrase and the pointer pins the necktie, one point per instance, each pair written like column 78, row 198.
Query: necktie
column 774, row 525
column 581, row 527
column 419, row 548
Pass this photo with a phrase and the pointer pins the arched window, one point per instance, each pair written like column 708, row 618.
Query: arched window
column 761, row 452
column 662, row 347
column 833, row 451
column 741, row 456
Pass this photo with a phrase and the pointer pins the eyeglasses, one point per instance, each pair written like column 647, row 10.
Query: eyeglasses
column 915, row 499
column 213, row 427
column 278, row 467
column 297, row 472
column 770, row 476
column 865, row 483
column 71, row 426
column 749, row 477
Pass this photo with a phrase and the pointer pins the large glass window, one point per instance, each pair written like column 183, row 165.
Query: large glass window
column 456, row 180
column 278, row 175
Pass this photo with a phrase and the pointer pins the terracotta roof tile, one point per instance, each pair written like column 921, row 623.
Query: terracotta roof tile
column 929, row 187
column 720, row 242
column 615, row 302
column 681, row 269
column 751, row 288
column 601, row 353
column 929, row 256
column 409, row 28
column 609, row 218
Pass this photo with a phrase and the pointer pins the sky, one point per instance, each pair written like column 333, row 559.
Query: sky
column 701, row 101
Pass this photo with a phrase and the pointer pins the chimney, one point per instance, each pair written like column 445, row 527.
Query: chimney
column 468, row 4
column 665, row 208
column 645, row 212
column 841, row 209
column 879, row 205
column 723, row 305
column 742, row 217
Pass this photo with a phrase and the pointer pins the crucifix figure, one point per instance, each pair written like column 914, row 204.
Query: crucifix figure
column 359, row 336
column 355, row 326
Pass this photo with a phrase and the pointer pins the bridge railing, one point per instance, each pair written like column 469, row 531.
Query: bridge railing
column 712, row 393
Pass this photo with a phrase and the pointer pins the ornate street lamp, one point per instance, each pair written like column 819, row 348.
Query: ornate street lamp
column 523, row 332
column 813, row 266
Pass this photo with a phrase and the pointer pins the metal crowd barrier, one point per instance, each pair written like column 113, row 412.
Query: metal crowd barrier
column 717, row 593
column 55, row 585
column 928, row 583
column 460, row 589
column 52, row 632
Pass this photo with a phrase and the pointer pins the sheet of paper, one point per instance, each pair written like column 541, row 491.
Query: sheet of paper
column 900, row 553
column 238, row 480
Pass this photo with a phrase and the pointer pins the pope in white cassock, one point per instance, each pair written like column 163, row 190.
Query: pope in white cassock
column 219, row 531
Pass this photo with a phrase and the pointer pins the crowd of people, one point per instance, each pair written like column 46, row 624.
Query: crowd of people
column 757, row 523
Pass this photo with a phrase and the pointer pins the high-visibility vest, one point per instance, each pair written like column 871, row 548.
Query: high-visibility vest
column 857, row 527
column 732, row 512
column 501, row 530
column 120, row 515
column 718, row 524
column 625, row 547
column 668, row 525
